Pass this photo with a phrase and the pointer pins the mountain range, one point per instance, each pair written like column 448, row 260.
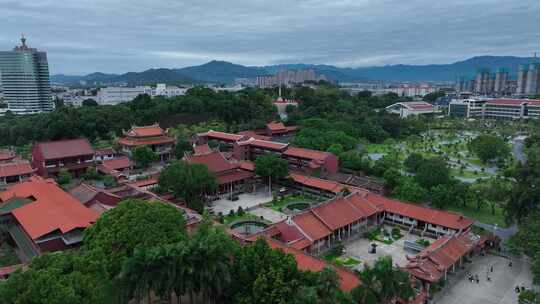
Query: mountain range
column 226, row 72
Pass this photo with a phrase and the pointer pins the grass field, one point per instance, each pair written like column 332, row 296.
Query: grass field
column 483, row 215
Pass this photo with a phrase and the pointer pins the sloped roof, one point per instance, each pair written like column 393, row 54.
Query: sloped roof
column 311, row 226
column 201, row 149
column 18, row 167
column 249, row 134
column 118, row 163
column 306, row 153
column 276, row 126
column 53, row 209
column 433, row 216
column 65, row 148
column 306, row 262
column 317, row 183
column 145, row 131
column 215, row 161
column 264, row 144
column 337, row 213
column 233, row 176
column 6, row 155
column 221, row 135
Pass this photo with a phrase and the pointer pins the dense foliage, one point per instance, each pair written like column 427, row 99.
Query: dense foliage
column 188, row 181
column 140, row 252
column 246, row 109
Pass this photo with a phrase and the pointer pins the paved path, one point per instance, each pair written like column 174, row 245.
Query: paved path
column 268, row 214
column 517, row 149
column 499, row 291
column 246, row 201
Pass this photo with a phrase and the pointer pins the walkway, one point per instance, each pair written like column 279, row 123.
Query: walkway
column 500, row 290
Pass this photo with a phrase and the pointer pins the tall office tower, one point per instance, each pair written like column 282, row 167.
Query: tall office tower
column 24, row 77
column 501, row 81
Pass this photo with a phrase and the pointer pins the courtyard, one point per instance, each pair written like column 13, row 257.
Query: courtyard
column 245, row 200
column 500, row 290
column 359, row 249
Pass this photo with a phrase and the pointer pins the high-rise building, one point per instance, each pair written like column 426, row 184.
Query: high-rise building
column 528, row 79
column 24, row 78
column 501, row 81
column 484, row 83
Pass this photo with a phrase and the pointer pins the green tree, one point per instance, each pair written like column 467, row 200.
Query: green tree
column 442, row 195
column 336, row 149
column 144, row 156
column 271, row 167
column 181, row 147
column 133, row 224
column 264, row 275
column 433, row 172
column 89, row 102
column 188, row 181
column 489, row 148
column 409, row 190
column 64, row 177
column 392, row 178
column 413, row 162
column 383, row 283
column 65, row 277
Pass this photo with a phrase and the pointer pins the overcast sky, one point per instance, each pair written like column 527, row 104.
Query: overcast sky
column 83, row 36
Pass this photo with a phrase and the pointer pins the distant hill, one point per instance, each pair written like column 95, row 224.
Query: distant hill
column 221, row 71
column 226, row 72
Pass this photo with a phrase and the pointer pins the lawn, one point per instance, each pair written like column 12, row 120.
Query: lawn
column 229, row 219
column 483, row 215
column 339, row 260
column 280, row 203
column 468, row 173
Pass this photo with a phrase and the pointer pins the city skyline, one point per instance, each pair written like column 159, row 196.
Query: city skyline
column 114, row 37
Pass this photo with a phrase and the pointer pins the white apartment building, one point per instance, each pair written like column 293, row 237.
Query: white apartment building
column 168, row 91
column 116, row 95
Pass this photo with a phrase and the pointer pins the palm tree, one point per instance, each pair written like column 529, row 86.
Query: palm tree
column 134, row 277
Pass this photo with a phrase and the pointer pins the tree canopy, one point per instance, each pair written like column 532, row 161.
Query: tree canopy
column 188, row 181
column 144, row 156
column 489, row 148
column 134, row 224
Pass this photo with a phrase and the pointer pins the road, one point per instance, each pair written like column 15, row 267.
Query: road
column 517, row 149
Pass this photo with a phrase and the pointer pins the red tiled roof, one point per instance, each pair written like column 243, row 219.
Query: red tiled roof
column 289, row 233
column 6, row 155
column 221, row 135
column 506, row 102
column 433, row 216
column 264, row 144
column 311, row 225
column 145, row 131
column 247, row 165
column 430, row 263
column 145, row 182
column 53, row 209
column 65, row 148
column 337, row 213
column 306, row 153
column 214, row 161
column 19, row 167
column 305, row 262
column 118, row 163
column 234, row 176
column 317, row 183
column 7, row 270
column 202, row 149
column 248, row 134
column 420, row 106
column 276, row 126
column 105, row 151
column 127, row 141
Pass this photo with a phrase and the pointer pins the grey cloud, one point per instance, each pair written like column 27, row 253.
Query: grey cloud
column 83, row 36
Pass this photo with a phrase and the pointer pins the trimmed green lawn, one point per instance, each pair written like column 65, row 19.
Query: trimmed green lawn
column 277, row 205
column 468, row 173
column 483, row 215
column 340, row 260
column 227, row 220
